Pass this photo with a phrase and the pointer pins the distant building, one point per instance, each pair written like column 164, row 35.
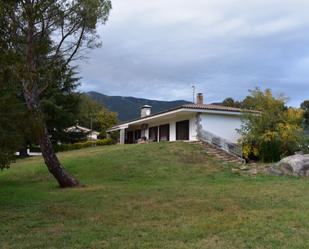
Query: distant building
column 91, row 135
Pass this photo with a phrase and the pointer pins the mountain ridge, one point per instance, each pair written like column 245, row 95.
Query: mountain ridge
column 128, row 107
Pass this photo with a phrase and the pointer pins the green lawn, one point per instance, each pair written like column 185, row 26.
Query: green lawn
column 169, row 195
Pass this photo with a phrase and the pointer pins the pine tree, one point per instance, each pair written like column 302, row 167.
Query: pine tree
column 38, row 39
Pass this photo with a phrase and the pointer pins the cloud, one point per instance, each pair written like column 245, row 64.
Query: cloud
column 157, row 49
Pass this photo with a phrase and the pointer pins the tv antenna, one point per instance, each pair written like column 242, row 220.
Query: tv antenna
column 193, row 92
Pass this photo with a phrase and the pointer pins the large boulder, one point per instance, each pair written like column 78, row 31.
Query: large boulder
column 297, row 165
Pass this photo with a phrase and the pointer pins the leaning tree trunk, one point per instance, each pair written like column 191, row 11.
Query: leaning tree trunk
column 55, row 168
column 31, row 93
column 64, row 179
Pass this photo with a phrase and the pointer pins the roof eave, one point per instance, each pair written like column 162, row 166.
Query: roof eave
column 175, row 110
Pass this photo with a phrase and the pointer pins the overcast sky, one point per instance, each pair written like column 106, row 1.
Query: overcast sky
column 157, row 49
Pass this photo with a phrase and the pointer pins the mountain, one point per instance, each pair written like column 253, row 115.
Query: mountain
column 129, row 107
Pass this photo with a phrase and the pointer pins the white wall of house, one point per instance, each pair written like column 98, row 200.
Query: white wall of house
column 173, row 130
column 93, row 136
column 193, row 129
column 146, row 133
column 224, row 126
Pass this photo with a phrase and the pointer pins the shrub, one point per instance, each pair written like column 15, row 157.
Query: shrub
column 77, row 146
column 275, row 132
column 105, row 141
column 270, row 151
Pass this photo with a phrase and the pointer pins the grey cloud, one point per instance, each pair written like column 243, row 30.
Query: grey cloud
column 157, row 49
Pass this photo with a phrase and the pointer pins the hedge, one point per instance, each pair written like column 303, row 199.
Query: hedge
column 77, row 146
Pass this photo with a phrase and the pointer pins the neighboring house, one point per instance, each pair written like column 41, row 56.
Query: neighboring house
column 27, row 152
column 190, row 122
column 91, row 135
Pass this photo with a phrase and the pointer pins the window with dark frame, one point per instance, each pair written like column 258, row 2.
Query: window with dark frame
column 182, row 130
column 137, row 135
column 164, row 132
column 130, row 137
column 153, row 134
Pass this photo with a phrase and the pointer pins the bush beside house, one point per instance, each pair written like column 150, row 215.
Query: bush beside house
column 77, row 146
column 275, row 133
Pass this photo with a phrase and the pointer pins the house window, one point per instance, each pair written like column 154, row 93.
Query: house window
column 153, row 134
column 182, row 130
column 164, row 131
column 130, row 137
column 137, row 135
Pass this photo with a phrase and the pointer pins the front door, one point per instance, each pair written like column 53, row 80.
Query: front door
column 182, row 130
column 164, row 131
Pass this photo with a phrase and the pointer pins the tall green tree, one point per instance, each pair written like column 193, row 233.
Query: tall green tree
column 94, row 115
column 39, row 38
column 249, row 103
column 273, row 133
column 60, row 104
column 11, row 129
column 11, row 108
column 230, row 102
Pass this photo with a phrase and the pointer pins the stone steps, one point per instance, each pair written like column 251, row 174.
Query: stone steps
column 221, row 154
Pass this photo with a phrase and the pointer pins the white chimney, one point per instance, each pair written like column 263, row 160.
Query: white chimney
column 199, row 99
column 145, row 111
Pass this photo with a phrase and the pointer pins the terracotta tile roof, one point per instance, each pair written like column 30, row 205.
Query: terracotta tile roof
column 217, row 108
column 198, row 107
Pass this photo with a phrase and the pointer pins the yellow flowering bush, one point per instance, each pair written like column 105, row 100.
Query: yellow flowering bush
column 275, row 132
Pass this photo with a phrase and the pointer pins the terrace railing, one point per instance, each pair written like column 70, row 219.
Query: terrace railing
column 231, row 148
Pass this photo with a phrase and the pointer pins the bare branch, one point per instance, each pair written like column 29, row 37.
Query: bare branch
column 81, row 36
column 65, row 36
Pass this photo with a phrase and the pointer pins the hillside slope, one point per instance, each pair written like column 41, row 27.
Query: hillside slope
column 129, row 107
column 160, row 195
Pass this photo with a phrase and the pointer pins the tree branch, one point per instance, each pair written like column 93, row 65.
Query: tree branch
column 64, row 37
column 81, row 36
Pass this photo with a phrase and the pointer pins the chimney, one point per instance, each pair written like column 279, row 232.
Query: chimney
column 145, row 111
column 199, row 99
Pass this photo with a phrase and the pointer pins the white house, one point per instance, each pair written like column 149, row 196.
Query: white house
column 191, row 122
column 91, row 135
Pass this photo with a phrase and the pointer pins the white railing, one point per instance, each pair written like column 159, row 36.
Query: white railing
column 221, row 143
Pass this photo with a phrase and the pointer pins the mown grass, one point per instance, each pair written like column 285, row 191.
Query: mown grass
column 168, row 195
